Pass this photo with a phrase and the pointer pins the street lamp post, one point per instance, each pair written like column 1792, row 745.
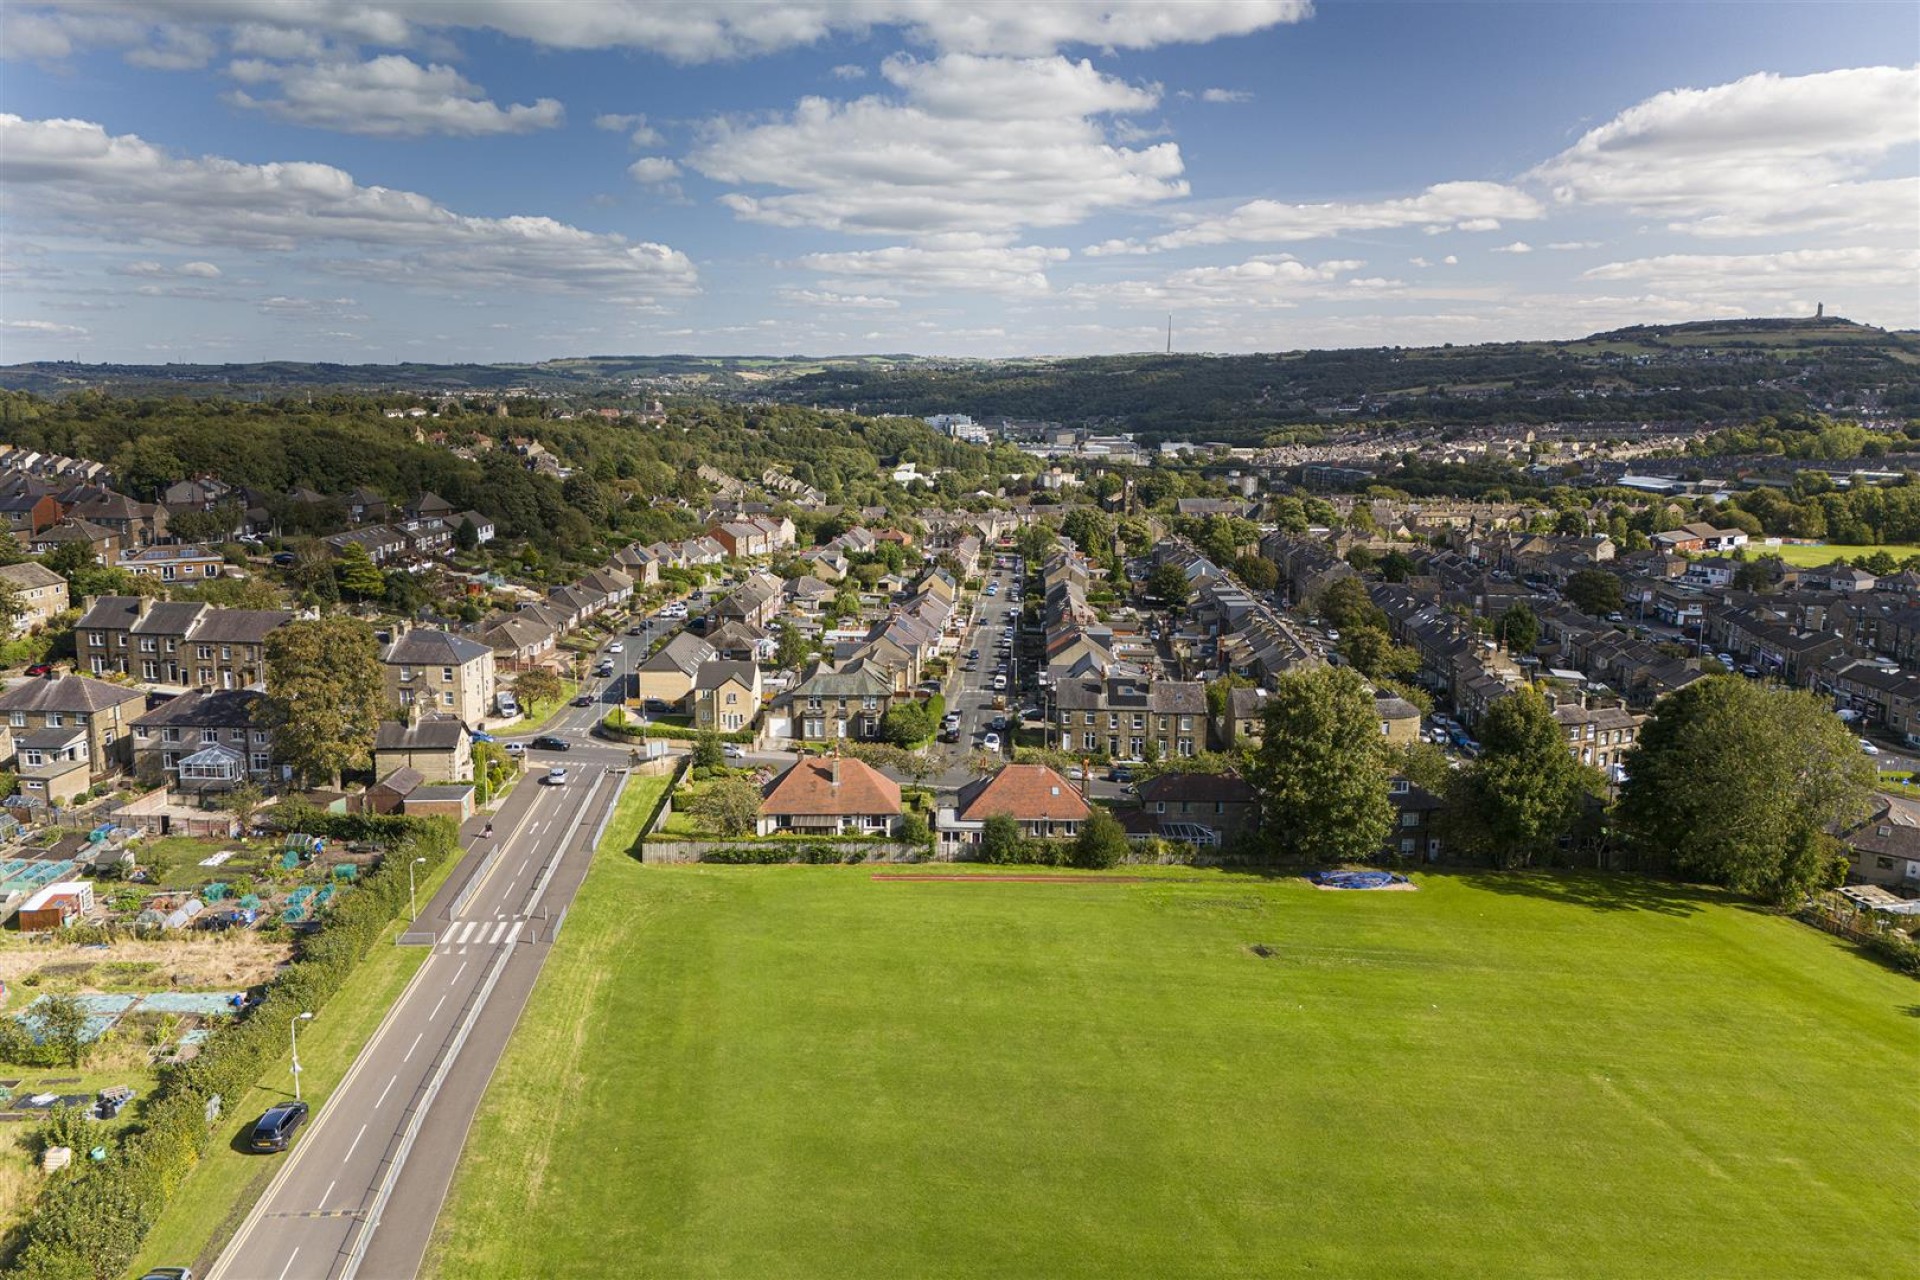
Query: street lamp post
column 293, row 1038
column 413, row 908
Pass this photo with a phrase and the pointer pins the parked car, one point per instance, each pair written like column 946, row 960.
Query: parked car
column 547, row 742
column 991, row 742
column 637, row 629
column 556, row 776
column 283, row 558
column 1120, row 773
column 583, row 700
column 999, row 683
column 40, row 669
column 734, row 751
column 516, row 748
column 273, row 1131
column 616, row 647
column 1868, row 747
column 998, row 724
column 169, row 1273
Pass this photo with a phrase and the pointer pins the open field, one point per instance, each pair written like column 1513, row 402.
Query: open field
column 811, row 1072
column 1812, row 556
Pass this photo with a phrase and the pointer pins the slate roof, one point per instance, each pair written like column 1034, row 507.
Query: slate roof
column 68, row 694
column 205, row 708
column 430, row 647
column 434, row 733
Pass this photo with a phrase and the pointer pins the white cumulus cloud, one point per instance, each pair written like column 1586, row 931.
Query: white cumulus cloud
column 389, row 96
column 1467, row 206
column 1763, row 154
column 653, row 169
column 963, row 262
column 75, row 177
column 690, row 30
column 638, row 131
column 972, row 144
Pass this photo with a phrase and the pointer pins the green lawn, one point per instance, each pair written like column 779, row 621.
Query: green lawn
column 807, row 1072
column 1824, row 554
column 221, row 1189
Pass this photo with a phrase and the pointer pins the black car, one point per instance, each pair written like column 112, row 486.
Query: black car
column 583, row 700
column 547, row 742
column 274, row 1130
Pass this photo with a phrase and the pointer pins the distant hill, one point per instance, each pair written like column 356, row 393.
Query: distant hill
column 1714, row 371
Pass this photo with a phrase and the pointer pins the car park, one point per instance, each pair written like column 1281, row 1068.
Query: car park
column 548, row 742
column 556, row 776
column 273, row 1131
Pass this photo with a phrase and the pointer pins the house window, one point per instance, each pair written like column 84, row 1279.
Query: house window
column 1409, row 818
column 446, row 698
column 206, row 651
column 55, row 720
column 18, row 719
column 149, row 645
column 226, row 653
column 1885, row 864
column 150, row 671
column 446, row 674
column 260, row 761
column 1089, row 743
column 1406, row 846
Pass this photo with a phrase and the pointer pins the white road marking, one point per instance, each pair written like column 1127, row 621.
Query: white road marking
column 513, row 933
column 327, row 1194
column 289, row 1266
column 457, row 972
column 384, row 1092
column 353, row 1144
column 523, row 866
column 466, row 931
column 498, row 930
column 436, row 1007
column 412, row 1047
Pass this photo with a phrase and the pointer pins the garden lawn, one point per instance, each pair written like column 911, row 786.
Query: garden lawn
column 810, row 1072
column 1815, row 556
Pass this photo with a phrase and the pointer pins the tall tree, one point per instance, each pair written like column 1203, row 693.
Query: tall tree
column 792, row 649
column 1320, row 770
column 1519, row 630
column 1525, row 790
column 1739, row 783
column 1594, row 591
column 325, row 696
column 1169, row 585
column 537, row 684
column 359, row 577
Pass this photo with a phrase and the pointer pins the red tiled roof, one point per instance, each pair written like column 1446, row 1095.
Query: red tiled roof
column 1027, row 792
column 808, row 788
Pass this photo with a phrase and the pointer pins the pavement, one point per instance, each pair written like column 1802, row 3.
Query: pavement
column 361, row 1188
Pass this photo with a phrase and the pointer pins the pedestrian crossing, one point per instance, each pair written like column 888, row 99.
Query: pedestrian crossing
column 482, row 933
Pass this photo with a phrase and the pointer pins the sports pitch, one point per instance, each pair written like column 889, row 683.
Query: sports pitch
column 804, row 1072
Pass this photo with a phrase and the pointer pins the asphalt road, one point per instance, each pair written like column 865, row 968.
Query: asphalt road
column 368, row 1174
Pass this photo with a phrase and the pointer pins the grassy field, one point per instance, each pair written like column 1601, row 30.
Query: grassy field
column 808, row 1072
column 1826, row 553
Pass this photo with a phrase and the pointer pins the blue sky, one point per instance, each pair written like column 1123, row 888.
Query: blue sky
column 379, row 180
